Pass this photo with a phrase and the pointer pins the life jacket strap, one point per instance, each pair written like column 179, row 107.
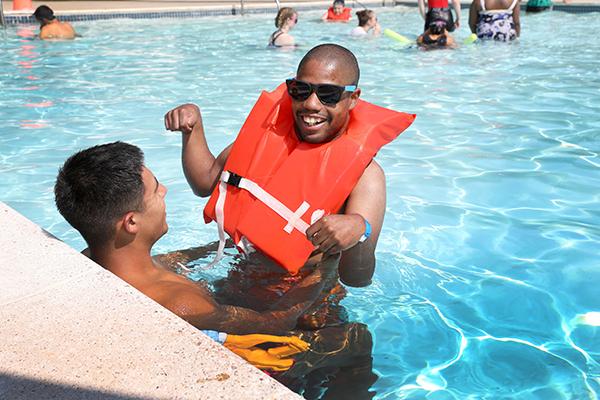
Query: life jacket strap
column 293, row 218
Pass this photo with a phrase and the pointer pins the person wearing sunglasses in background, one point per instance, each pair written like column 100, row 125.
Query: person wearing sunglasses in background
column 286, row 19
column 297, row 187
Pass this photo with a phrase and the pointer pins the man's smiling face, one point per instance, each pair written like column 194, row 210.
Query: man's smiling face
column 316, row 122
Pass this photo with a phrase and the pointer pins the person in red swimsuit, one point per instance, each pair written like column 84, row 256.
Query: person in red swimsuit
column 440, row 6
column 338, row 12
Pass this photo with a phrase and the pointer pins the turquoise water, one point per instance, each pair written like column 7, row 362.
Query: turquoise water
column 488, row 258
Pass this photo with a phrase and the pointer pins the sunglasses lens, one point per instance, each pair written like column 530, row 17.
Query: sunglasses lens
column 298, row 90
column 329, row 94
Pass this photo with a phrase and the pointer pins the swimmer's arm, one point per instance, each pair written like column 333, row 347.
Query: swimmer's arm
column 473, row 12
column 456, row 4
column 341, row 232
column 422, row 8
column 450, row 41
column 324, row 16
column 175, row 259
column 199, row 309
column 368, row 199
column 200, row 166
column 517, row 18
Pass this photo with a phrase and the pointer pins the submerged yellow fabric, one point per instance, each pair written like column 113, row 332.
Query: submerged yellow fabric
column 273, row 359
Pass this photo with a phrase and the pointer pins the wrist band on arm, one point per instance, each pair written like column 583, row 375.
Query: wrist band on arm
column 367, row 233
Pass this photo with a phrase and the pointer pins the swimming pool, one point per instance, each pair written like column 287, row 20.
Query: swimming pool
column 488, row 260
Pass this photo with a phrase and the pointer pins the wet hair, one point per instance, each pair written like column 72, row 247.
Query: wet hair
column 97, row 186
column 364, row 16
column 437, row 27
column 44, row 12
column 438, row 20
column 334, row 54
column 282, row 15
column 335, row 2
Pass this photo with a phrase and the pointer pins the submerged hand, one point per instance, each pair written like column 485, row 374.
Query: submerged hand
column 335, row 233
column 183, row 118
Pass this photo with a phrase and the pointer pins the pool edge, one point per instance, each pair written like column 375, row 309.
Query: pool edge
column 71, row 329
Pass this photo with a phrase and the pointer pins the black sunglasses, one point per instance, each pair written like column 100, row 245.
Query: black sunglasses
column 328, row 94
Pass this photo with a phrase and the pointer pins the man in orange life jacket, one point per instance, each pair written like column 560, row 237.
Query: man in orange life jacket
column 317, row 119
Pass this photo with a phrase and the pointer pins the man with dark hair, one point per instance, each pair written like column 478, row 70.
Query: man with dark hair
column 118, row 205
column 51, row 27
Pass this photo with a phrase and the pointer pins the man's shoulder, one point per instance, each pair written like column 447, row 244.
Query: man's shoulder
column 183, row 298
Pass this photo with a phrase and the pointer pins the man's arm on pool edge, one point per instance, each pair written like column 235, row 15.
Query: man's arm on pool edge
column 200, row 166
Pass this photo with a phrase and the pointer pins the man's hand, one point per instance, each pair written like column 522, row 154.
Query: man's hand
column 183, row 118
column 336, row 233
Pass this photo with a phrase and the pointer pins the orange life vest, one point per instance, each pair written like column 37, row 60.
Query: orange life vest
column 309, row 180
column 344, row 16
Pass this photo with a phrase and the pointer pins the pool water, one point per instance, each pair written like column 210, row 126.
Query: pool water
column 488, row 271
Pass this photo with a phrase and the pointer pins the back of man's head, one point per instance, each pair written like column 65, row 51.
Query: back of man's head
column 43, row 13
column 334, row 55
column 97, row 186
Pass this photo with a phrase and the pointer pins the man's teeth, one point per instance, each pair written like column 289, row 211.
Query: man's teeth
column 312, row 120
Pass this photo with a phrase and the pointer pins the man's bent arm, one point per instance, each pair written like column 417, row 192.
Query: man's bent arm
column 200, row 166
column 421, row 4
column 456, row 6
column 198, row 308
column 357, row 264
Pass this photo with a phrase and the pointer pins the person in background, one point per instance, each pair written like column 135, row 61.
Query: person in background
column 495, row 19
column 51, row 27
column 338, row 12
column 367, row 22
column 286, row 19
column 535, row 6
column 435, row 6
column 436, row 35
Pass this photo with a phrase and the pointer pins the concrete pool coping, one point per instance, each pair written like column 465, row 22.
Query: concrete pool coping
column 72, row 330
column 109, row 9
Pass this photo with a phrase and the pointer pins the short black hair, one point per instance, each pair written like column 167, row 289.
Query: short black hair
column 334, row 53
column 97, row 186
column 339, row 2
column 43, row 12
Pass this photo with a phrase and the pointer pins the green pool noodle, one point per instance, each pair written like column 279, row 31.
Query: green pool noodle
column 396, row 36
column 471, row 39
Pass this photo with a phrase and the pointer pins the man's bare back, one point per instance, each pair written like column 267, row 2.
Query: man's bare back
column 57, row 30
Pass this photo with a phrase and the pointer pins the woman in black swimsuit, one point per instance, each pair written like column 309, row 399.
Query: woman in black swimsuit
column 285, row 20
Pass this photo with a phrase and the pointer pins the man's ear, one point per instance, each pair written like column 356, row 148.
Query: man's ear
column 354, row 98
column 129, row 223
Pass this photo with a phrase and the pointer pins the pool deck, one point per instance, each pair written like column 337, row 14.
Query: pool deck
column 72, row 330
